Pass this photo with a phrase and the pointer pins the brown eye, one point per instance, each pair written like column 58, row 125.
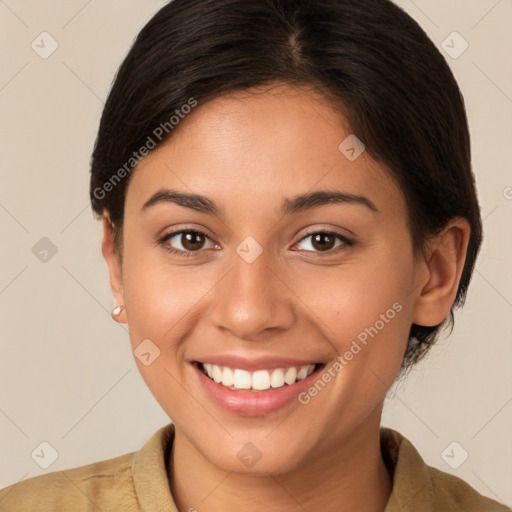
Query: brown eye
column 192, row 241
column 324, row 241
column 184, row 242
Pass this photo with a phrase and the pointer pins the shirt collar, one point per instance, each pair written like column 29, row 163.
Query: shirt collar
column 412, row 484
column 150, row 474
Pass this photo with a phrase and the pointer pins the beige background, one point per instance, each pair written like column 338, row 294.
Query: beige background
column 67, row 373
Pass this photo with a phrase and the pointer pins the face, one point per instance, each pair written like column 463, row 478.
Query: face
column 263, row 273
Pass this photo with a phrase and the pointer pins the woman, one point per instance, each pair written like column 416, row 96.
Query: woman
column 289, row 218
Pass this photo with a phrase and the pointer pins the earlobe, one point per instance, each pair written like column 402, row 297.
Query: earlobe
column 114, row 265
column 444, row 266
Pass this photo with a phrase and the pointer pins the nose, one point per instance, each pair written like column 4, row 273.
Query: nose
column 253, row 300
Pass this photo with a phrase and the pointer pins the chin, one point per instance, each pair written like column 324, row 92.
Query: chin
column 254, row 458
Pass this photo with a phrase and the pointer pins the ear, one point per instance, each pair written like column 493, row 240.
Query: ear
column 114, row 265
column 446, row 255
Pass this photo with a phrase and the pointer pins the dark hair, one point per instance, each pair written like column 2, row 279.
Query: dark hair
column 368, row 56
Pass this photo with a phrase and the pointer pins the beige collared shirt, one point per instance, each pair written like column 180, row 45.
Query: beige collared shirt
column 138, row 482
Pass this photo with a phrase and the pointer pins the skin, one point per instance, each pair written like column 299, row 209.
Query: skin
column 247, row 153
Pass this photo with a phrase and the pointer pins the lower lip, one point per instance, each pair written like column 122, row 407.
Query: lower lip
column 254, row 403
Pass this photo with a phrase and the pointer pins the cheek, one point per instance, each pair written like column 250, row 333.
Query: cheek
column 364, row 310
column 353, row 296
column 160, row 302
column 365, row 317
column 158, row 296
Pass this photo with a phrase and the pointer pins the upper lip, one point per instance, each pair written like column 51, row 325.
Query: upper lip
column 254, row 363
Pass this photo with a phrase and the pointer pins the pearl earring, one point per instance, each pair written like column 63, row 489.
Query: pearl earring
column 116, row 312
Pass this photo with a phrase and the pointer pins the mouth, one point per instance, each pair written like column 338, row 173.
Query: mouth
column 257, row 384
column 237, row 379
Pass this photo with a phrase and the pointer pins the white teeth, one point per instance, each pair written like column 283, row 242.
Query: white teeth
column 241, row 379
column 277, row 378
column 259, row 380
column 291, row 375
column 227, row 376
column 301, row 374
column 217, row 373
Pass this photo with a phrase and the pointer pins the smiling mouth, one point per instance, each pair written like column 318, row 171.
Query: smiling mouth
column 260, row 380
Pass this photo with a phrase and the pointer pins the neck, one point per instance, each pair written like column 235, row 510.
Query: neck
column 352, row 473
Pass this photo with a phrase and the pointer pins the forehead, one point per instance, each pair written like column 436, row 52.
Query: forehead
column 255, row 147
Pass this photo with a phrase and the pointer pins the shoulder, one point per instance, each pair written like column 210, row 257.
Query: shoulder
column 418, row 486
column 82, row 488
column 129, row 483
column 453, row 493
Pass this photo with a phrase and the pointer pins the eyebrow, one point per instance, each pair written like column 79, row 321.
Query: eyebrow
column 296, row 204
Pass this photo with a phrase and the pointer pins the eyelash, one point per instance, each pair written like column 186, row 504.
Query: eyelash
column 346, row 242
